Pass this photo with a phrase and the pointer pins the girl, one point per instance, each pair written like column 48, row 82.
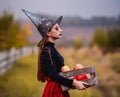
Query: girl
column 49, row 59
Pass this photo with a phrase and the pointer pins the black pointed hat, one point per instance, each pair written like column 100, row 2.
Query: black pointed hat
column 43, row 24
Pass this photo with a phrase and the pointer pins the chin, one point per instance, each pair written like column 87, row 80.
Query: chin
column 57, row 37
column 60, row 37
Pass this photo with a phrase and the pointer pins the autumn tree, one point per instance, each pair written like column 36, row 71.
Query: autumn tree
column 108, row 40
column 11, row 34
column 100, row 38
column 77, row 43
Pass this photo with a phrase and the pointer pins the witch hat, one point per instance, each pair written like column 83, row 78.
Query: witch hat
column 43, row 24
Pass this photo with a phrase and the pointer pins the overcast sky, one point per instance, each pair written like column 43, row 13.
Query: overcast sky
column 83, row 8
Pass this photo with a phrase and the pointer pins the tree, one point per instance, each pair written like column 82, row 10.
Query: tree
column 100, row 38
column 77, row 43
column 108, row 40
column 113, row 37
column 10, row 32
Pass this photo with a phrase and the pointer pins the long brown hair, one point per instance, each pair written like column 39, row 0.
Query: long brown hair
column 40, row 75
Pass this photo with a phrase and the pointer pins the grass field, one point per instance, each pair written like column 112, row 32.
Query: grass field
column 20, row 81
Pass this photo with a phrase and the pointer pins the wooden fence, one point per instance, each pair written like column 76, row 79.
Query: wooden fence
column 8, row 57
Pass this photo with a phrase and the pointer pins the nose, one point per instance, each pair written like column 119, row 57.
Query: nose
column 60, row 30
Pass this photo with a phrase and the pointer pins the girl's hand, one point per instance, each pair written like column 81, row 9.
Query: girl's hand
column 79, row 84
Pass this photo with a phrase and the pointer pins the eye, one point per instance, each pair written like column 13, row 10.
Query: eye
column 56, row 28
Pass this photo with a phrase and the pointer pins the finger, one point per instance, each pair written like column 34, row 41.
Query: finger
column 84, row 83
column 83, row 88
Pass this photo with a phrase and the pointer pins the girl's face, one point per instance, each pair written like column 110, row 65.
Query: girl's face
column 56, row 32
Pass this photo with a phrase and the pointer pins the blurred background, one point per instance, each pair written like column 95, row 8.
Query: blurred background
column 91, row 36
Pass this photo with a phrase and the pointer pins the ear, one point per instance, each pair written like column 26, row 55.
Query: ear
column 48, row 34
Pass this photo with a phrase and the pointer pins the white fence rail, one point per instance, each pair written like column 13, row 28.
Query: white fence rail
column 8, row 57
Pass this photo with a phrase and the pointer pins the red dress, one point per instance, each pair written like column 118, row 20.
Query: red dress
column 53, row 89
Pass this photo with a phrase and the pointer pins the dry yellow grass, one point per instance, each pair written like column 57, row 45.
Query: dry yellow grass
column 108, row 78
column 21, row 80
